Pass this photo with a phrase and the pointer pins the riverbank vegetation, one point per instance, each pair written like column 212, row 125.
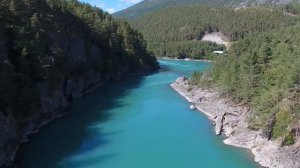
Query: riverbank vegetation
column 189, row 49
column 170, row 30
column 263, row 71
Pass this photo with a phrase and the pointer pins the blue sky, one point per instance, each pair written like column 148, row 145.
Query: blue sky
column 112, row 6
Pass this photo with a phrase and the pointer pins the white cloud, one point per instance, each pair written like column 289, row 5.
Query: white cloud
column 111, row 10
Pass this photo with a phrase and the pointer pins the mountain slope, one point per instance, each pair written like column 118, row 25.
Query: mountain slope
column 263, row 72
column 148, row 6
column 167, row 31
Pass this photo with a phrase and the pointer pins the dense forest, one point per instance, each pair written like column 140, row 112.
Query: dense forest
column 263, row 71
column 189, row 49
column 187, row 25
column 54, row 50
column 35, row 35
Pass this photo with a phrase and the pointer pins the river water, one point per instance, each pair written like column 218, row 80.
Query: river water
column 137, row 123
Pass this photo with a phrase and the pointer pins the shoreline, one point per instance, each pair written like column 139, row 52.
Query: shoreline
column 230, row 120
column 186, row 59
column 28, row 132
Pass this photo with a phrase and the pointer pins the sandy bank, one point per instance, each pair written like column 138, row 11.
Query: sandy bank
column 218, row 38
column 230, row 119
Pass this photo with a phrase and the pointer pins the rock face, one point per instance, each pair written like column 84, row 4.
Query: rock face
column 231, row 119
column 54, row 104
column 9, row 138
column 219, row 123
column 54, row 100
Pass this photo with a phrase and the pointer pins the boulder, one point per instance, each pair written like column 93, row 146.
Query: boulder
column 181, row 80
column 219, row 123
column 192, row 107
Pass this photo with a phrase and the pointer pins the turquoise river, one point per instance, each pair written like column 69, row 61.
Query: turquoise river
column 135, row 123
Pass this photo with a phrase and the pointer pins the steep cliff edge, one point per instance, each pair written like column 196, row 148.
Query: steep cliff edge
column 52, row 52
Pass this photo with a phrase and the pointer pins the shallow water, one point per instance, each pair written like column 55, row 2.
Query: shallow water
column 137, row 123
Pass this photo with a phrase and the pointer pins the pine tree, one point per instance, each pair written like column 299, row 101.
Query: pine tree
column 13, row 7
column 34, row 20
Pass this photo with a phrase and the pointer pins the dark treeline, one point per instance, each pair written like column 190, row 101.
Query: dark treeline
column 189, row 49
column 189, row 23
column 47, row 42
column 263, row 71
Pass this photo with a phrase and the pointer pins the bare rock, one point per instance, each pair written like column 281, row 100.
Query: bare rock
column 234, row 124
column 219, row 124
column 181, row 80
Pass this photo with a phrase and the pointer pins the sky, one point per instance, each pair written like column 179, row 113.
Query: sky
column 112, row 6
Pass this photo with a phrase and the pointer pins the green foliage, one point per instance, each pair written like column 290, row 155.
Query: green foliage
column 201, row 79
column 289, row 140
column 34, row 20
column 195, row 78
column 263, row 70
column 45, row 43
column 283, row 119
column 189, row 49
column 177, row 31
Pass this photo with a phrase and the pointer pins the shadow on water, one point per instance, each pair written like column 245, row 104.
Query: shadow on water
column 66, row 136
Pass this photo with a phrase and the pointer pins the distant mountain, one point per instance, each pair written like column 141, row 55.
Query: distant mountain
column 148, row 6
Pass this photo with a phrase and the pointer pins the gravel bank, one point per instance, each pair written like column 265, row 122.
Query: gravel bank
column 230, row 120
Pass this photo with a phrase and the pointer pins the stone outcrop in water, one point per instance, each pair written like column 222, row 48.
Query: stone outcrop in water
column 231, row 120
column 219, row 123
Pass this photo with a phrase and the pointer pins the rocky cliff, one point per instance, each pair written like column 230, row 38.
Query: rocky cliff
column 54, row 103
column 52, row 52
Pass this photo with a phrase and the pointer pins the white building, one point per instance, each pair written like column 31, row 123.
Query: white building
column 218, row 52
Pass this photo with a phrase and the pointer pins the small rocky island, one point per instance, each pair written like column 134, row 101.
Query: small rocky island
column 230, row 119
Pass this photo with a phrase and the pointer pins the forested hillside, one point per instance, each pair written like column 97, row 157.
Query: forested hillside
column 52, row 51
column 176, row 27
column 263, row 71
column 148, row 6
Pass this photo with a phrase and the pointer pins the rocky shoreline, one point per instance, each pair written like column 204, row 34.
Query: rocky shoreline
column 231, row 120
column 55, row 105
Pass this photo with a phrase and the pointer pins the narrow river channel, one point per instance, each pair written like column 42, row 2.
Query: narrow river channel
column 135, row 123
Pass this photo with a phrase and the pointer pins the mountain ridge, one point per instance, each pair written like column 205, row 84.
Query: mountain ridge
column 148, row 6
